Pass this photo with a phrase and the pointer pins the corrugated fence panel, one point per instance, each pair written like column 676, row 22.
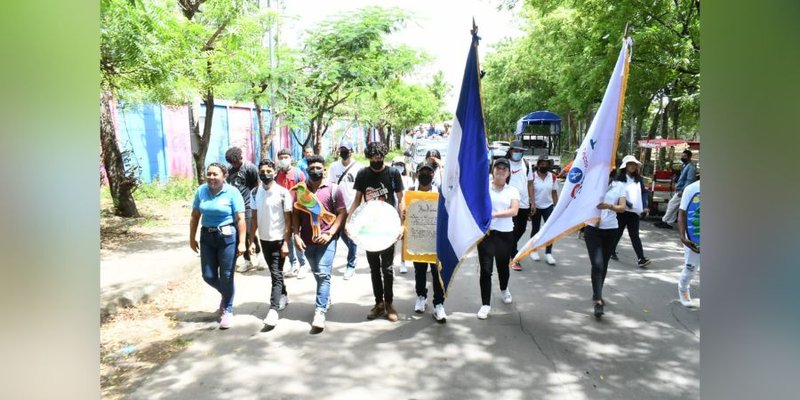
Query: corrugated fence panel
column 240, row 131
column 179, row 147
column 141, row 130
column 219, row 135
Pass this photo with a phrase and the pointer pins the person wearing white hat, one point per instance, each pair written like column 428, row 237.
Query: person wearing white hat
column 635, row 208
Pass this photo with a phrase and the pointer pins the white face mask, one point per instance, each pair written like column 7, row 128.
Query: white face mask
column 285, row 162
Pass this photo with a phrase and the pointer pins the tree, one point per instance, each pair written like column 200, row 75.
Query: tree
column 215, row 31
column 562, row 64
column 346, row 56
column 133, row 63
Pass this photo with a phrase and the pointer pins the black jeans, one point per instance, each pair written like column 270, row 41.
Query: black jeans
column 520, row 223
column 380, row 263
column 630, row 220
column 421, row 278
column 496, row 246
column 542, row 214
column 272, row 255
column 599, row 243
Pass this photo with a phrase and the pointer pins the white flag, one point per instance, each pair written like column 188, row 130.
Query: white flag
column 587, row 180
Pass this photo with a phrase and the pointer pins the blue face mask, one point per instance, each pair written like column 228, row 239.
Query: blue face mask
column 516, row 156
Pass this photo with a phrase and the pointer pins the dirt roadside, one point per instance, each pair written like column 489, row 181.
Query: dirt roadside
column 136, row 340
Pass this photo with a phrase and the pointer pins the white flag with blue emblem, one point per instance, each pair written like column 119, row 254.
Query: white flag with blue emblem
column 587, row 180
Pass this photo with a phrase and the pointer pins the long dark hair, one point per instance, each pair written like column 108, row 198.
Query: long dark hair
column 622, row 175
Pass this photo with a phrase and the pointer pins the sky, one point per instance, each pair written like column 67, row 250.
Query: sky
column 439, row 27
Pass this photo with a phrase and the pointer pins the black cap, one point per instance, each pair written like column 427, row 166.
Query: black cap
column 425, row 165
column 517, row 144
column 544, row 158
column 501, row 160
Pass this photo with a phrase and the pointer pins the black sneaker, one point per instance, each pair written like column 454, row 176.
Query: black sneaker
column 598, row 310
column 662, row 224
column 643, row 262
column 614, row 257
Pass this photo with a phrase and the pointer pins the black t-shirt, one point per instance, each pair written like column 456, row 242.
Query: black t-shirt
column 379, row 185
column 245, row 178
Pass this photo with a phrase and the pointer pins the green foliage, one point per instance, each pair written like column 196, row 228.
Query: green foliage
column 564, row 61
column 174, row 189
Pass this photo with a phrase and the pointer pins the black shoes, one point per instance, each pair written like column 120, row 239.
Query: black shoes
column 614, row 256
column 598, row 310
column 662, row 224
column 643, row 262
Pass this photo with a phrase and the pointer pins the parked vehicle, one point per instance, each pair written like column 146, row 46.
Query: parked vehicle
column 421, row 147
column 540, row 132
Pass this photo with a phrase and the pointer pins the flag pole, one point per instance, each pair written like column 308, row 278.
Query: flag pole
column 623, row 87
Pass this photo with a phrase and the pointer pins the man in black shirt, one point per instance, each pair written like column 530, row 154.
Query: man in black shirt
column 243, row 175
column 380, row 183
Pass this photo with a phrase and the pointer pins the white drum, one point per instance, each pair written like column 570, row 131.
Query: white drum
column 374, row 226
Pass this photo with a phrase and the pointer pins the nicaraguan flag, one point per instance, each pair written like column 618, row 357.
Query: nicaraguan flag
column 465, row 209
column 587, row 180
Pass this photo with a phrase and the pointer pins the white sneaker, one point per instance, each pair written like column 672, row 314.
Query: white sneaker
column 550, row 259
column 535, row 256
column 349, row 272
column 422, row 302
column 302, row 271
column 507, row 296
column 403, row 268
column 319, row 320
column 685, row 298
column 272, row 318
column 292, row 270
column 246, row 266
column 483, row 313
column 438, row 313
column 283, row 302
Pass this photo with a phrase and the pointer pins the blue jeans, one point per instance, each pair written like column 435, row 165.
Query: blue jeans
column 295, row 254
column 218, row 259
column 352, row 248
column 320, row 258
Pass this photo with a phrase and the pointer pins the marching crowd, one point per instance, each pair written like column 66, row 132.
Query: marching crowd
column 275, row 210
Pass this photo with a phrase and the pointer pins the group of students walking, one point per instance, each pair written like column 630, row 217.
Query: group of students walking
column 236, row 205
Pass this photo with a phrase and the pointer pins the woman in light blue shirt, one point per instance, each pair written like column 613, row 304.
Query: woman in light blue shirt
column 222, row 235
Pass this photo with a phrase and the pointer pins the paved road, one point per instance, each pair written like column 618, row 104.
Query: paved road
column 546, row 345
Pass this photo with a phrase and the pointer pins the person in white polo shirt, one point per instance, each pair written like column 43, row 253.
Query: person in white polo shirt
column 272, row 219
column 522, row 180
column 496, row 247
column 545, row 197
column 689, row 231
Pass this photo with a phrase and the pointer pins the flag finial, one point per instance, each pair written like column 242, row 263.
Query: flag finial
column 474, row 30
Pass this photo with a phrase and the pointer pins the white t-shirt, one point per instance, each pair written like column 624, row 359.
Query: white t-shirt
column 519, row 180
column 608, row 218
column 501, row 200
column 633, row 194
column 346, row 185
column 270, row 204
column 543, row 190
column 693, row 216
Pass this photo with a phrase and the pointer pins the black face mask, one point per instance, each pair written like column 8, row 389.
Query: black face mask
column 376, row 165
column 344, row 154
column 266, row 178
column 315, row 175
column 543, row 169
column 425, row 179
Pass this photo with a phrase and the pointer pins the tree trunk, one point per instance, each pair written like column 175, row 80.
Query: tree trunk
column 204, row 140
column 318, row 131
column 122, row 185
column 266, row 139
column 675, row 119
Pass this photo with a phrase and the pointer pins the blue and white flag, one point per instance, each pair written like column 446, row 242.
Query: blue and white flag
column 465, row 209
column 587, row 180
